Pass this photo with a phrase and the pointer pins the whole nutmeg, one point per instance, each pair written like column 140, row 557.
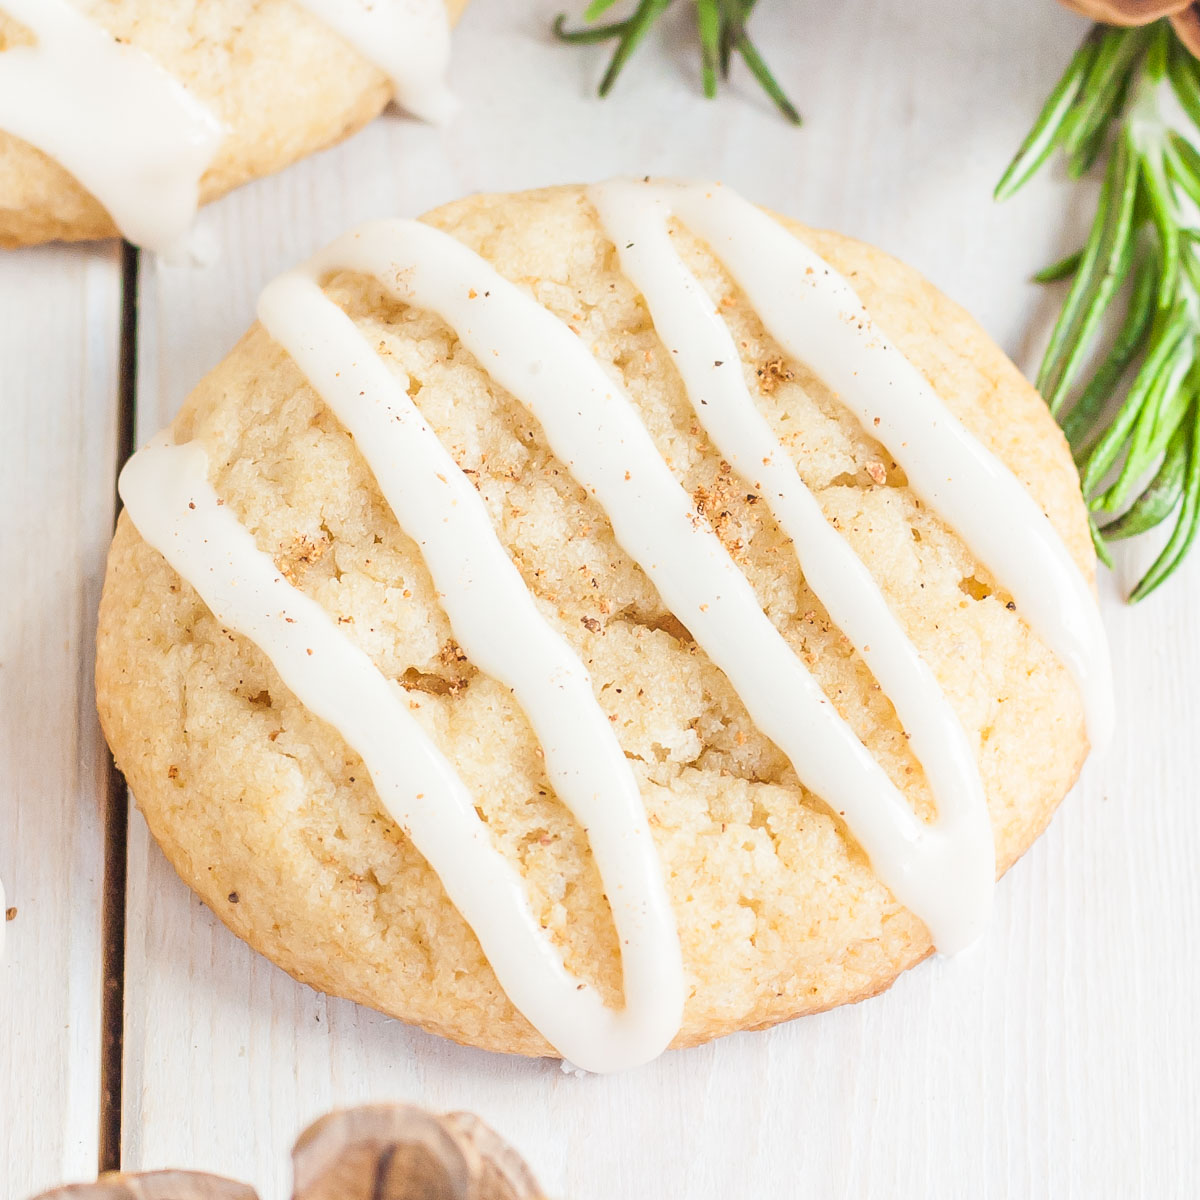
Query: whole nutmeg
column 377, row 1152
column 1184, row 14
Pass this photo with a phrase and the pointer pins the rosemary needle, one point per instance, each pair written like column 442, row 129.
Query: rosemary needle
column 1139, row 462
column 720, row 25
column 1063, row 269
column 1047, row 129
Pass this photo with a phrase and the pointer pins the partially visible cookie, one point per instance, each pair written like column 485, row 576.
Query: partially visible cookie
column 276, row 79
column 271, row 815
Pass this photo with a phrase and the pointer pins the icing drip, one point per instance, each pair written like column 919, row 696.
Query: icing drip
column 409, row 40
column 138, row 140
column 497, row 624
column 174, row 507
column 942, row 870
column 128, row 131
column 814, row 314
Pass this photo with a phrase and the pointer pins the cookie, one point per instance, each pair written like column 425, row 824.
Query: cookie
column 573, row 623
column 123, row 116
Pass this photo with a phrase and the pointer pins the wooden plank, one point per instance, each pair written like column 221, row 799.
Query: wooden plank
column 1057, row 1057
column 59, row 339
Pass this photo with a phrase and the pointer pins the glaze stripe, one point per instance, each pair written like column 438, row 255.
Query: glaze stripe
column 702, row 349
column 173, row 506
column 814, row 314
column 496, row 622
column 409, row 40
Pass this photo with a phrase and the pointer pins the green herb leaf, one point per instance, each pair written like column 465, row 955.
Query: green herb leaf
column 708, row 18
column 1184, row 532
column 583, row 37
column 1064, row 268
column 1046, row 129
column 1183, row 165
column 1162, row 212
column 1184, row 83
column 1102, row 551
column 1166, row 407
column 1105, row 262
column 734, row 15
column 636, row 28
column 1106, row 82
column 721, row 29
column 1114, row 441
column 1144, row 456
column 1077, row 424
column 1159, row 499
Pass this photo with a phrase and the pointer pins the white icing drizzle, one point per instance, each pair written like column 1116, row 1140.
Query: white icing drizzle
column 174, row 507
column 138, row 140
column 704, row 353
column 942, row 870
column 409, row 40
column 815, row 315
column 496, row 622
column 126, row 128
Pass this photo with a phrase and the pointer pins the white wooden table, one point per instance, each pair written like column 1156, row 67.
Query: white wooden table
column 1060, row 1058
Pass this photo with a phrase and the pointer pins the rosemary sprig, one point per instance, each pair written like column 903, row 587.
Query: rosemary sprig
column 720, row 24
column 1139, row 462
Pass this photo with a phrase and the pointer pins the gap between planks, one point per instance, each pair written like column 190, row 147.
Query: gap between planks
column 116, row 801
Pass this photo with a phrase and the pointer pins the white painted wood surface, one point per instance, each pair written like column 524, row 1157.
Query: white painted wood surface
column 1060, row 1058
column 59, row 340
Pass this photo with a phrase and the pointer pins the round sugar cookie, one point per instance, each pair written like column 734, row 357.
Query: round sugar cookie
column 273, row 77
column 267, row 811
